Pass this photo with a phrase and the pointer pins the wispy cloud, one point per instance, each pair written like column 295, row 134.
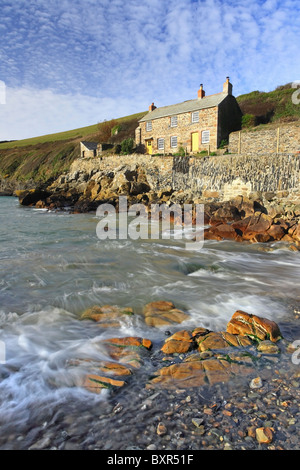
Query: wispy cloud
column 137, row 52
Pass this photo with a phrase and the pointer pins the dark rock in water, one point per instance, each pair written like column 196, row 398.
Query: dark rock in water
column 29, row 197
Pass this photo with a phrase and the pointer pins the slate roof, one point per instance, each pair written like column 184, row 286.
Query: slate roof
column 90, row 145
column 187, row 106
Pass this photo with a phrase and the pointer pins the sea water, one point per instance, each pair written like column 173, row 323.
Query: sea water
column 53, row 267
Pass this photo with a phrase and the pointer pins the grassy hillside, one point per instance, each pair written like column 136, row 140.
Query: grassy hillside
column 269, row 107
column 43, row 158
column 82, row 133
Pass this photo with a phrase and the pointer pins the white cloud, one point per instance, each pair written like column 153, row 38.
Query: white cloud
column 138, row 52
column 30, row 112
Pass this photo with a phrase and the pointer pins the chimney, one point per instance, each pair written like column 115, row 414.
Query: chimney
column 201, row 92
column 151, row 107
column 227, row 87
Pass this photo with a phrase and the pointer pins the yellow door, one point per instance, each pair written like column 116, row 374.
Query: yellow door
column 149, row 147
column 195, row 141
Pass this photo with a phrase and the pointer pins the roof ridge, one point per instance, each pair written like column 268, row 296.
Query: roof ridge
column 185, row 106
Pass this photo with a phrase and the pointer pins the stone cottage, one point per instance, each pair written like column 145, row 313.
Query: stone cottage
column 88, row 149
column 196, row 125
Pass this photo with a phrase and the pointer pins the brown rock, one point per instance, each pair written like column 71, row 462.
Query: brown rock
column 180, row 376
column 241, row 225
column 163, row 313
column 212, row 341
column 251, row 430
column 296, row 233
column 250, row 325
column 264, row 435
column 107, row 316
column 128, row 350
column 180, row 342
column 217, row 371
column 225, row 231
column 257, row 224
column 114, row 368
column 161, row 429
column 276, row 232
column 268, row 347
column 96, row 383
column 259, row 237
column 199, row 331
column 210, row 235
column 129, row 341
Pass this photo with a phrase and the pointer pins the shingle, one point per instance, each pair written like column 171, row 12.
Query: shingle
column 185, row 107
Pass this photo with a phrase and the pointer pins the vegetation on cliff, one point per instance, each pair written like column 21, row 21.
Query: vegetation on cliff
column 42, row 159
column 269, row 107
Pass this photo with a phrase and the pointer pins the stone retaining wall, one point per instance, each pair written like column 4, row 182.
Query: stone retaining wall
column 277, row 140
column 221, row 177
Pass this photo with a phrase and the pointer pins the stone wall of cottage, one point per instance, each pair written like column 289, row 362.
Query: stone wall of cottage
column 221, row 177
column 161, row 128
column 284, row 138
column 85, row 152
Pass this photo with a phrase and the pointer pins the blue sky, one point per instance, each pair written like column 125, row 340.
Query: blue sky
column 72, row 63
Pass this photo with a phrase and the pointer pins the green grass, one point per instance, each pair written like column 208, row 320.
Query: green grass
column 80, row 133
column 42, row 159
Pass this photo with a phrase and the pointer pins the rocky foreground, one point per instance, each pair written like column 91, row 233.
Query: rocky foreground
column 251, row 357
column 208, row 357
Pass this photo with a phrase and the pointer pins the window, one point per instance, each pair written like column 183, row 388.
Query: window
column 160, row 144
column 149, row 126
column 205, row 137
column 173, row 121
column 174, row 141
column 195, row 116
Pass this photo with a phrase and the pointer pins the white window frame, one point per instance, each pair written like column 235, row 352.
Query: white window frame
column 195, row 116
column 205, row 137
column 161, row 143
column 173, row 141
column 149, row 126
column 174, row 121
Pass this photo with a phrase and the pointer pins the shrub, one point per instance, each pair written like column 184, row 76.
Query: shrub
column 223, row 143
column 180, row 153
column 116, row 129
column 127, row 146
column 105, row 130
column 248, row 120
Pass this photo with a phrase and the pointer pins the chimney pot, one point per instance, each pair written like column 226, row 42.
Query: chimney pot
column 227, row 87
column 201, row 92
column 152, row 107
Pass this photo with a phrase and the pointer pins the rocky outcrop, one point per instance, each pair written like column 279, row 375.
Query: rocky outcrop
column 257, row 218
column 217, row 356
column 187, row 358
